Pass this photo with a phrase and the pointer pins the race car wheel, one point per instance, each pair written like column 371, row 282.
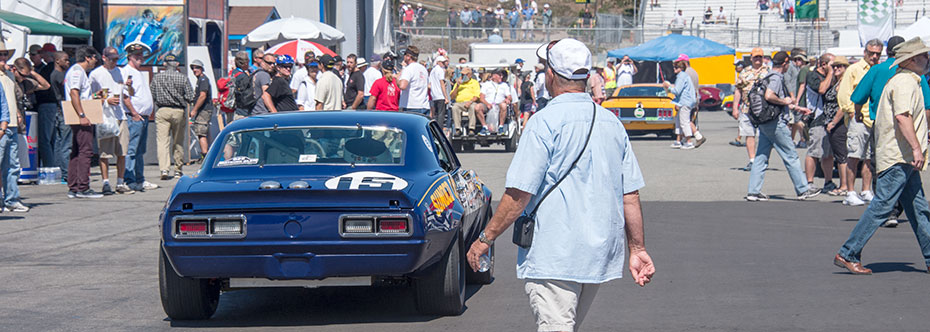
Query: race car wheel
column 468, row 146
column 186, row 298
column 456, row 146
column 483, row 278
column 442, row 290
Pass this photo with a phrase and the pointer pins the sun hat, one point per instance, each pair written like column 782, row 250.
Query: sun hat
column 360, row 62
column 909, row 49
column 840, row 60
column 4, row 49
column 567, row 57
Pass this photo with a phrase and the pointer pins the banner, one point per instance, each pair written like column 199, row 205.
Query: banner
column 806, row 9
column 875, row 20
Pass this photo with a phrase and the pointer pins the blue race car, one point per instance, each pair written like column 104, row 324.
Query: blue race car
column 313, row 199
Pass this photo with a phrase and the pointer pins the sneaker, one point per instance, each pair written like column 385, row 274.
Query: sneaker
column 106, row 190
column 892, row 222
column 760, row 197
column 149, row 186
column 178, row 174
column 72, row 194
column 699, row 142
column 829, row 186
column 64, row 180
column 867, row 196
column 687, row 146
column 124, row 189
column 852, row 199
column 801, row 145
column 89, row 193
column 748, row 167
column 165, row 176
column 483, row 132
column 810, row 193
column 500, row 129
column 736, row 143
column 16, row 207
column 675, row 145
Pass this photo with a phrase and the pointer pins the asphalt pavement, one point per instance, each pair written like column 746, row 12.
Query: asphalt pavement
column 722, row 264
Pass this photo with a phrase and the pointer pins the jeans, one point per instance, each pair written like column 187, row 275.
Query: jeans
column 54, row 138
column 82, row 149
column 776, row 134
column 899, row 183
column 9, row 152
column 138, row 134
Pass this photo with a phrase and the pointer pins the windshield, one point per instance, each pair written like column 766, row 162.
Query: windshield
column 314, row 145
column 642, row 91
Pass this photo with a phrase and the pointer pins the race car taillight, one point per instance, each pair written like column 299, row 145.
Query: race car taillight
column 358, row 225
column 227, row 227
column 664, row 112
column 392, row 225
column 192, row 228
column 615, row 111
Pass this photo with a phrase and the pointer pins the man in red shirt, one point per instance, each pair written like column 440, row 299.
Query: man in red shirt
column 385, row 96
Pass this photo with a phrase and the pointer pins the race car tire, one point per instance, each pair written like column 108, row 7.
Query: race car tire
column 483, row 278
column 456, row 146
column 468, row 146
column 186, row 298
column 442, row 290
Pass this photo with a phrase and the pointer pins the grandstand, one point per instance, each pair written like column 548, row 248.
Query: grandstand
column 747, row 26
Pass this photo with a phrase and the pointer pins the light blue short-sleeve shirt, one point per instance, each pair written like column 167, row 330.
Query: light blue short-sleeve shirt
column 579, row 234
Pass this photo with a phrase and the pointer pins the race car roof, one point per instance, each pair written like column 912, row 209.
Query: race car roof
column 401, row 120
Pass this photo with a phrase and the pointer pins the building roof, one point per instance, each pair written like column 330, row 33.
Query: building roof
column 244, row 19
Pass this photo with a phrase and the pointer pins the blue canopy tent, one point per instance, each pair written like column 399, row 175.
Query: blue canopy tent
column 664, row 49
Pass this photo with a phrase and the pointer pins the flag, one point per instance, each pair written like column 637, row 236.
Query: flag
column 875, row 20
column 806, row 9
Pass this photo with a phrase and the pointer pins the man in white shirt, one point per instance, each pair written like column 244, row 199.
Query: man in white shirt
column 107, row 82
column 77, row 88
column 372, row 74
column 306, row 90
column 412, row 84
column 626, row 71
column 721, row 16
column 439, row 93
column 329, row 87
column 138, row 104
column 678, row 23
column 539, row 83
column 301, row 74
column 495, row 95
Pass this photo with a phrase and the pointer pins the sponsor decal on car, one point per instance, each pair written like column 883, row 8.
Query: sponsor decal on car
column 239, row 160
column 441, row 198
column 366, row 180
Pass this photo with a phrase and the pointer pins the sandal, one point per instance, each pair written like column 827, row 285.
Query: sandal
column 837, row 192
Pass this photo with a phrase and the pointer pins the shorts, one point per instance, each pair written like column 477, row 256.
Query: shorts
column 746, row 129
column 201, row 126
column 559, row 305
column 794, row 116
column 819, row 143
column 858, row 141
column 526, row 108
column 110, row 146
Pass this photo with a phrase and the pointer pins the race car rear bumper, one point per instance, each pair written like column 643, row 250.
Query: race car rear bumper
column 298, row 260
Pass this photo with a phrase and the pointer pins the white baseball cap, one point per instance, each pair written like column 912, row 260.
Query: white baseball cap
column 568, row 58
column 439, row 59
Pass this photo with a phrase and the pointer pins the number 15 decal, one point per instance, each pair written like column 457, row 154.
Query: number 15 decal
column 366, row 181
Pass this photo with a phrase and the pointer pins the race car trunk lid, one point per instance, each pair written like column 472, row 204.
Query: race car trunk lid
column 286, row 194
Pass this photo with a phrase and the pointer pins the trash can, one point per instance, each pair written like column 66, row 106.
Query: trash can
column 29, row 160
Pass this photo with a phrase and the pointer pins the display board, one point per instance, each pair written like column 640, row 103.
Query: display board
column 160, row 28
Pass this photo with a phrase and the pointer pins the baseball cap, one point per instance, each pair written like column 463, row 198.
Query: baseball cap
column 338, row 58
column 197, row 63
column 284, row 59
column 440, row 59
column 34, row 49
column 327, row 61
column 757, row 52
column 171, row 58
column 136, row 48
column 567, row 57
column 683, row 57
column 49, row 47
column 375, row 58
column 519, row 60
column 546, row 6
column 387, row 64
column 782, row 56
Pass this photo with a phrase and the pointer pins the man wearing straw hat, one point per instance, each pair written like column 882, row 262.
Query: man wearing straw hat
column 900, row 130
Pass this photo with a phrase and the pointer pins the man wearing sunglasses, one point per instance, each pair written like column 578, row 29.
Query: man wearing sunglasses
column 260, row 81
column 575, row 247
column 859, row 129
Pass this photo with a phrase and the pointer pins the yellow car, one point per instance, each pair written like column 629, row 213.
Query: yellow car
column 643, row 109
column 727, row 103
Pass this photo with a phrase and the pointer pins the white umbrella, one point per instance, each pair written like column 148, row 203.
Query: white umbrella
column 292, row 28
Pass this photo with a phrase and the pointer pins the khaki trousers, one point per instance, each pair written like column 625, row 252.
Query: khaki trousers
column 458, row 109
column 170, row 127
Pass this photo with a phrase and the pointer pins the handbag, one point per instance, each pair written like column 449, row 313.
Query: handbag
column 524, row 226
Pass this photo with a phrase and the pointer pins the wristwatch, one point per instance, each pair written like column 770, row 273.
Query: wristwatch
column 82, row 115
column 483, row 238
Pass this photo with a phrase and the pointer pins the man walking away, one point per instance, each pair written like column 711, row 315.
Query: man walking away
column 900, row 153
column 744, row 83
column 77, row 86
column 203, row 108
column 699, row 139
column 107, row 82
column 137, row 100
column 412, row 83
column 12, row 126
column 575, row 247
column 242, row 81
column 440, row 93
column 775, row 133
column 684, row 102
column 858, row 135
column 172, row 93
column 328, row 86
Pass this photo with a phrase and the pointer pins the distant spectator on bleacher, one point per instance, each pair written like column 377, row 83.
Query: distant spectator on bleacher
column 721, row 16
column 499, row 15
column 587, row 19
column 420, row 15
column 763, row 5
column 453, row 20
column 787, row 8
column 708, row 16
column 678, row 23
column 527, row 25
column 547, row 17
column 514, row 17
column 465, row 18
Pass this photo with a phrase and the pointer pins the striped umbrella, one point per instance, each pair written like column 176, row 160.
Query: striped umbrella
column 297, row 49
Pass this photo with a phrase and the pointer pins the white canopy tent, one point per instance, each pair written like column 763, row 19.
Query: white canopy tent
column 921, row 29
column 291, row 28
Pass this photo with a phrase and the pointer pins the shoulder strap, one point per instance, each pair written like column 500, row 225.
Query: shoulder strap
column 570, row 168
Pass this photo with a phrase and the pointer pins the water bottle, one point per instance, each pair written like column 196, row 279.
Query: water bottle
column 484, row 263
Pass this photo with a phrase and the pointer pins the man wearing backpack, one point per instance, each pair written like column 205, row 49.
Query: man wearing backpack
column 740, row 103
column 242, row 86
column 775, row 133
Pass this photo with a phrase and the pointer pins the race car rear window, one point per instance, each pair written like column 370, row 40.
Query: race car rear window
column 314, row 145
column 642, row 91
